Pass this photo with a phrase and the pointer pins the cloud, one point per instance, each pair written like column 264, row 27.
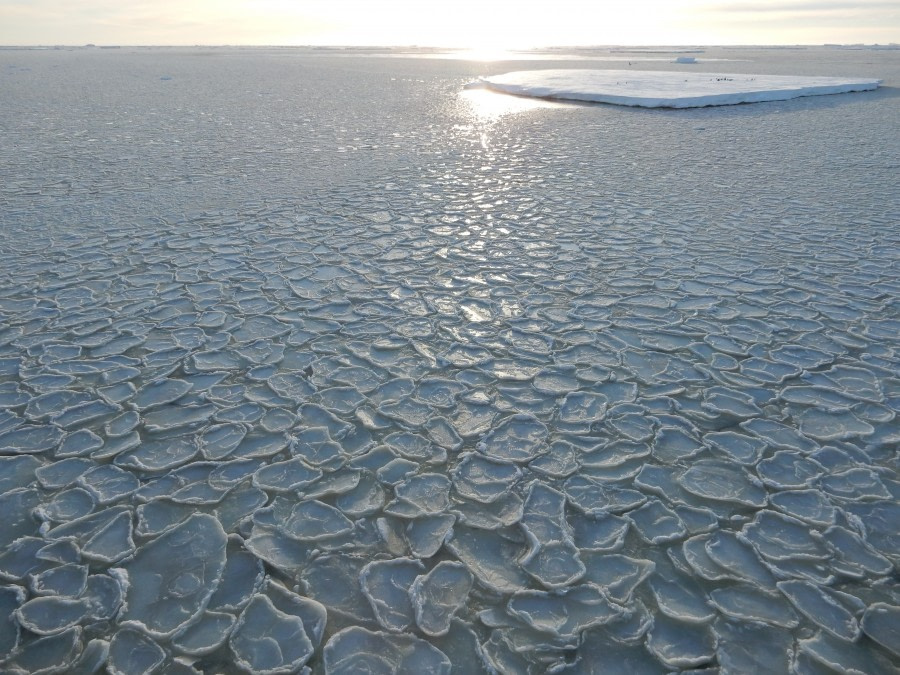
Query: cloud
column 810, row 7
column 497, row 23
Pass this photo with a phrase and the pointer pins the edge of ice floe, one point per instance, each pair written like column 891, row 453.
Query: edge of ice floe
column 577, row 85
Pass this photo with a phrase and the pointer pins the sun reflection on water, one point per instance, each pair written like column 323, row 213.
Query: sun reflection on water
column 487, row 105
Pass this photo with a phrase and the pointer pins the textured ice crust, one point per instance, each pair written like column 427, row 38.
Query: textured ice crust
column 667, row 89
column 534, row 398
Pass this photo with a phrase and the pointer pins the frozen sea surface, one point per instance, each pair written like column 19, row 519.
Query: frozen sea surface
column 667, row 89
column 319, row 361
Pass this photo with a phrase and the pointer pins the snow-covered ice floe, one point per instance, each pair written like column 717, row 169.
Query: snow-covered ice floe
column 667, row 89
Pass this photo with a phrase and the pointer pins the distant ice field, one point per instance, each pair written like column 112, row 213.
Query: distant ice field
column 667, row 89
column 316, row 363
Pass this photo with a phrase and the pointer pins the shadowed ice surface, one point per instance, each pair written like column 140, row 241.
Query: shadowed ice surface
column 315, row 362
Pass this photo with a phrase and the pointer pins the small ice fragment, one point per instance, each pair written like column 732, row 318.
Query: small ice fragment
column 787, row 470
column 313, row 520
column 552, row 557
column 108, row 483
column 881, row 622
column 751, row 647
column 18, row 471
column 429, row 493
column 366, row 498
column 159, row 455
column 355, row 649
column 723, row 481
column 51, row 654
column 519, row 438
column 438, row 595
column 173, row 577
column 566, row 613
column 268, row 641
column 103, row 595
column 680, row 597
column 603, row 532
column 51, row 614
column 821, row 608
column 386, row 585
column 479, row 478
column 854, row 554
column 17, row 507
column 490, row 559
column 206, row 635
column 30, row 439
column 616, row 575
column 62, row 473
column 426, row 535
column 595, row 498
column 681, row 645
column 66, row 580
column 160, row 392
column 781, row 537
column 809, row 505
column 656, row 523
column 853, row 658
column 285, row 476
column 737, row 447
column 751, row 603
column 219, row 441
column 736, row 557
column 333, row 580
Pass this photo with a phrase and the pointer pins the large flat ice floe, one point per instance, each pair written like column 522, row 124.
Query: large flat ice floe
column 667, row 89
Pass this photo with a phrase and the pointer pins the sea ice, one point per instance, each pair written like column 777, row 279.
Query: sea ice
column 616, row 575
column 490, row 559
column 681, row 645
column 821, row 608
column 750, row 646
column 880, row 622
column 356, row 649
column 438, row 595
column 578, row 410
column 552, row 558
column 131, row 651
column 838, row 655
column 386, row 585
column 750, row 603
column 51, row 614
column 482, row 479
column 171, row 579
column 206, row 635
column 50, row 654
column 723, row 481
column 680, row 597
column 667, row 89
column 519, row 438
column 268, row 641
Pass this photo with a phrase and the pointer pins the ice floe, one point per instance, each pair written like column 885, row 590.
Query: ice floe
column 506, row 411
column 667, row 89
column 170, row 580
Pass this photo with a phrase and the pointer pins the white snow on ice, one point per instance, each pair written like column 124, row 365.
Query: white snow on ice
column 667, row 89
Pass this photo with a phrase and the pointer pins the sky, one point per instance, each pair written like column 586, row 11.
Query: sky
column 475, row 24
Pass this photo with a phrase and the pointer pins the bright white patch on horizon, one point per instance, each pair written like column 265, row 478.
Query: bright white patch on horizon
column 671, row 89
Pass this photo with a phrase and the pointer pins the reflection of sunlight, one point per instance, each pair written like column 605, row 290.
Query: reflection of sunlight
column 487, row 105
column 485, row 54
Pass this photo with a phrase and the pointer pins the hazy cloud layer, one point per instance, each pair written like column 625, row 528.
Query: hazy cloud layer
column 479, row 23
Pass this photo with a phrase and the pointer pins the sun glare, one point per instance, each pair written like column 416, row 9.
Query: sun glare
column 485, row 53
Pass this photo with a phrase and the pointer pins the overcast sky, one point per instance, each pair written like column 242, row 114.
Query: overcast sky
column 462, row 23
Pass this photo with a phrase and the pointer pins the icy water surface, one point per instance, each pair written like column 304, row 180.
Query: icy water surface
column 313, row 361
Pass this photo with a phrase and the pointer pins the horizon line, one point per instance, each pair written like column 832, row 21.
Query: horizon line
column 461, row 48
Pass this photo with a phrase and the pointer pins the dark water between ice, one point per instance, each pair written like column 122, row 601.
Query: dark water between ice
column 317, row 361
